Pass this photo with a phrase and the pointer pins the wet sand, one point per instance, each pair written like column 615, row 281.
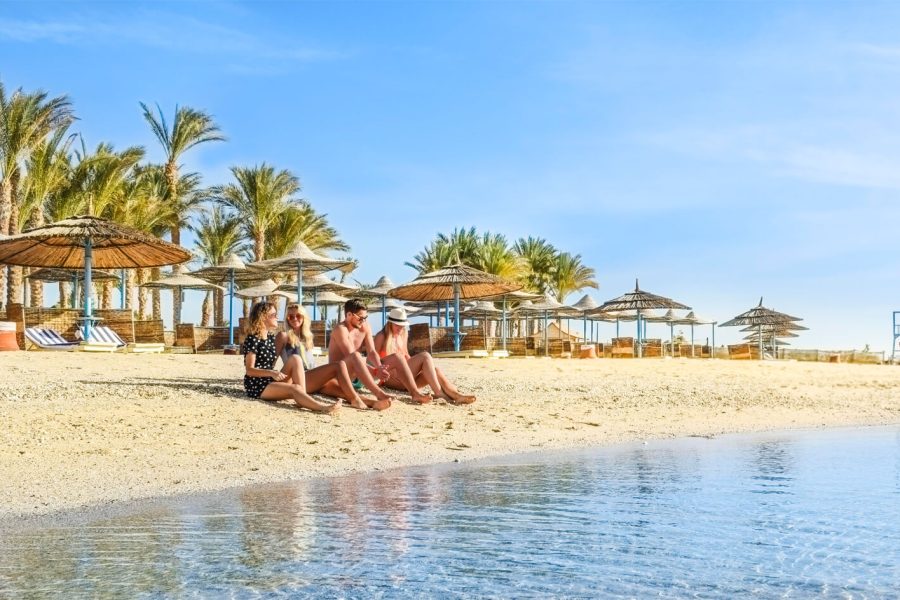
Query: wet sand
column 89, row 429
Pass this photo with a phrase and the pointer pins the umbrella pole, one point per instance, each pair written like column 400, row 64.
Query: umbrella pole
column 88, row 257
column 546, row 340
column 759, row 331
column 383, row 312
column 503, row 324
column 231, row 307
column 74, row 300
column 712, row 351
column 122, row 289
column 640, row 352
column 315, row 294
column 692, row 340
column 456, row 334
column 300, row 286
column 672, row 339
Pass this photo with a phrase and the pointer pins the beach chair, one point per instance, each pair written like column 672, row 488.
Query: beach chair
column 48, row 339
column 102, row 339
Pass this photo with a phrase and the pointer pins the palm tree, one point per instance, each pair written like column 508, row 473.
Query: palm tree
column 570, row 275
column 258, row 198
column 26, row 119
column 462, row 245
column 218, row 235
column 538, row 256
column 47, row 172
column 496, row 257
column 190, row 128
column 299, row 222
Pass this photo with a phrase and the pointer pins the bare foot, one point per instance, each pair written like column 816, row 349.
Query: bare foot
column 463, row 399
column 358, row 403
column 378, row 404
column 330, row 409
column 422, row 398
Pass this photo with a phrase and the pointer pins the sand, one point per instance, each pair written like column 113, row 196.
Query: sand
column 84, row 429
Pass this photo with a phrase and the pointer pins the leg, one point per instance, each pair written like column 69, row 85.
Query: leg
column 450, row 391
column 333, row 379
column 280, row 390
column 293, row 368
column 356, row 367
column 402, row 378
column 422, row 367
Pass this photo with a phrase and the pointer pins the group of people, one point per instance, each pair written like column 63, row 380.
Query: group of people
column 357, row 360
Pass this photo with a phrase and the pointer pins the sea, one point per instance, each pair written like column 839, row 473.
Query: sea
column 797, row 514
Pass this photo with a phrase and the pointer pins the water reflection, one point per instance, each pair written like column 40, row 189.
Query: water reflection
column 691, row 517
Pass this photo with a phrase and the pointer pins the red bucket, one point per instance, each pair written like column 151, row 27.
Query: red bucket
column 8, row 336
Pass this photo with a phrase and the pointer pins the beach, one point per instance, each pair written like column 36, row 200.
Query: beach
column 85, row 429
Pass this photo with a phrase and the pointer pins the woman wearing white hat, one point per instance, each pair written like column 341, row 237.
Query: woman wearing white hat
column 412, row 371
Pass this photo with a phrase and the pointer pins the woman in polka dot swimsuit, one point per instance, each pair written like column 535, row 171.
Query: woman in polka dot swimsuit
column 262, row 380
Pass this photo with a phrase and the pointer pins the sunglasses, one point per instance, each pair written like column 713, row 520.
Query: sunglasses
column 360, row 317
column 294, row 317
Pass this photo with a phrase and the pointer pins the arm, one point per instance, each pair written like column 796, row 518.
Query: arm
column 252, row 371
column 372, row 357
column 280, row 341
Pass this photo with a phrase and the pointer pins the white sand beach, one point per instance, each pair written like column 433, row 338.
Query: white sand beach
column 86, row 429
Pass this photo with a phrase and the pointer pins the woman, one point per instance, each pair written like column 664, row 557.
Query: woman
column 294, row 345
column 411, row 372
column 261, row 380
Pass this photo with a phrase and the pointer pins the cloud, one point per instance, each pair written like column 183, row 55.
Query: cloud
column 171, row 32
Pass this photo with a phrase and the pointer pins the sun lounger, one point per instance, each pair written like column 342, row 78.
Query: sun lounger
column 102, row 339
column 48, row 339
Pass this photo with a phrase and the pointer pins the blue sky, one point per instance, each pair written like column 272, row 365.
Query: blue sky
column 719, row 151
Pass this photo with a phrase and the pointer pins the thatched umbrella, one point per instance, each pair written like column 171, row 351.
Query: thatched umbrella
column 230, row 270
column 456, row 282
column 178, row 282
column 639, row 300
column 483, row 310
column 547, row 306
column 692, row 319
column 759, row 317
column 379, row 290
column 300, row 259
column 318, row 283
column 263, row 289
column 583, row 306
column 50, row 275
column 84, row 242
column 670, row 318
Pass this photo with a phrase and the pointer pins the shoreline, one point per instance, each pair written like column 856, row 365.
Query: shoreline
column 118, row 428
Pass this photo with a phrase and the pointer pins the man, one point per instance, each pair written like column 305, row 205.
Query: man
column 351, row 335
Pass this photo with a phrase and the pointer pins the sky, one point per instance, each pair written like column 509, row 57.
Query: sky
column 721, row 152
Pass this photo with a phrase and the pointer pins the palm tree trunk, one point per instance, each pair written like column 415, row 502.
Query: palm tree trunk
column 36, row 292
column 15, row 289
column 65, row 291
column 207, row 309
column 143, row 295
column 219, row 299
column 131, row 289
column 106, row 294
column 155, row 274
column 176, row 297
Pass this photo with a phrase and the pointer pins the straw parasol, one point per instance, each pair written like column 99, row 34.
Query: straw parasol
column 456, row 282
column 692, row 319
column 379, row 290
column 318, row 282
column 547, row 305
column 760, row 317
column 262, row 289
column 639, row 300
column 232, row 269
column 50, row 275
column 85, row 242
column 585, row 304
column 300, row 259
column 181, row 281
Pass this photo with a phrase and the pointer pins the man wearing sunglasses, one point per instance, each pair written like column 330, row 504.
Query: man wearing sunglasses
column 351, row 336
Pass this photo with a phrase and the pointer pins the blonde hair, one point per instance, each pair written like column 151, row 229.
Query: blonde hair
column 305, row 338
column 256, row 322
column 390, row 340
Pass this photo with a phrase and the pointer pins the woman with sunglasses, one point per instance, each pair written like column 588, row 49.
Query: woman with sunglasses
column 294, row 345
column 261, row 379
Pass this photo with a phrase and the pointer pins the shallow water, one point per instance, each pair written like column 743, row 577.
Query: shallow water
column 809, row 514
